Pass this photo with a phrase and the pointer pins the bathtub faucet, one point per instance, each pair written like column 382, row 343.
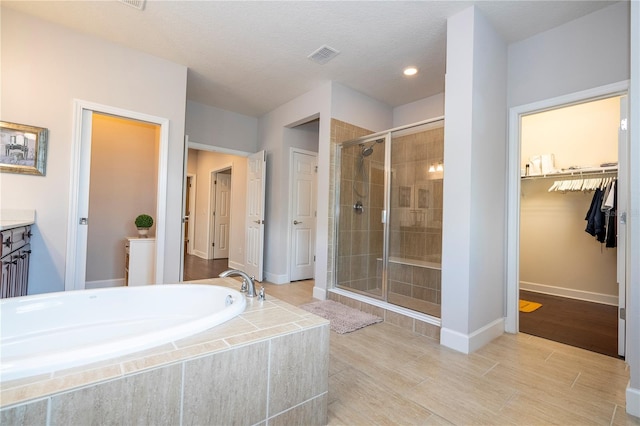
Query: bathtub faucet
column 246, row 279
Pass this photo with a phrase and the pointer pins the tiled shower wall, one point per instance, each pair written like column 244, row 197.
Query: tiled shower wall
column 416, row 205
column 360, row 235
column 416, row 231
column 352, row 225
column 416, row 220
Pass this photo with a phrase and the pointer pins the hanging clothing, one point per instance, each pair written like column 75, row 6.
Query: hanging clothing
column 601, row 216
column 611, row 213
column 596, row 218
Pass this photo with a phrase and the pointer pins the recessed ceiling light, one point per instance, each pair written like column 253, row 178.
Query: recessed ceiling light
column 410, row 71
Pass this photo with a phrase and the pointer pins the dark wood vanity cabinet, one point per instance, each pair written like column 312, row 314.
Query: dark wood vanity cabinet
column 16, row 252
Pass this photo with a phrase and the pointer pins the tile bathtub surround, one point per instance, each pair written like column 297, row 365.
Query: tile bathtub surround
column 251, row 369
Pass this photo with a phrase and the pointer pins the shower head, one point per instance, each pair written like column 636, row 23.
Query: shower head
column 368, row 150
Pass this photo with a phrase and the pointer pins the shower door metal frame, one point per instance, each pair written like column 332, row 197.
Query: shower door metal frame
column 338, row 175
column 387, row 135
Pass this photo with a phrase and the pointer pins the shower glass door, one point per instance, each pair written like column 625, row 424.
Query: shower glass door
column 415, row 218
column 360, row 231
column 389, row 216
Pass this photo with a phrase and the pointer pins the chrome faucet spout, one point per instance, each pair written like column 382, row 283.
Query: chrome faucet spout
column 251, row 286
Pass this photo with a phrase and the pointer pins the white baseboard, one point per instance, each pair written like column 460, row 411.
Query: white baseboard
column 468, row 343
column 118, row 282
column 633, row 401
column 319, row 293
column 570, row 293
column 276, row 278
column 236, row 265
column 200, row 254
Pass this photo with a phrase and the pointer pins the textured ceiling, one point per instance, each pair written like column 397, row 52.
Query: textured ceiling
column 250, row 57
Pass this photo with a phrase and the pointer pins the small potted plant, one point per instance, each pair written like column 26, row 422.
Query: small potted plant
column 143, row 223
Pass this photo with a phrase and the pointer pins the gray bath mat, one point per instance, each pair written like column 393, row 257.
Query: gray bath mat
column 342, row 319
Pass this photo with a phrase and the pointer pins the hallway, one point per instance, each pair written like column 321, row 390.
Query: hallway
column 196, row 268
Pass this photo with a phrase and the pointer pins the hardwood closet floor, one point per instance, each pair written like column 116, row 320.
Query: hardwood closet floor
column 586, row 325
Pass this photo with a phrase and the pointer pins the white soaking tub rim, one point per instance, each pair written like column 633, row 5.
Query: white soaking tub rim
column 23, row 354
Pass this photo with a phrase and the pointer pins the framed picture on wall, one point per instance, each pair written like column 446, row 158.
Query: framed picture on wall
column 423, row 197
column 23, row 148
column 404, row 196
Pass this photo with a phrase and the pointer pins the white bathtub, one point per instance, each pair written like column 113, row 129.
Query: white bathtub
column 53, row 331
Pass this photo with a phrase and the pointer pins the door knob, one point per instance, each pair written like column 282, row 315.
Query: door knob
column 295, row 222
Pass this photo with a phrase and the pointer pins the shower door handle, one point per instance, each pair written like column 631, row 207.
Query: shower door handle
column 295, row 222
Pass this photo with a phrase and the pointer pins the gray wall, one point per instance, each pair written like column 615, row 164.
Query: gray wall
column 38, row 88
column 216, row 127
column 585, row 53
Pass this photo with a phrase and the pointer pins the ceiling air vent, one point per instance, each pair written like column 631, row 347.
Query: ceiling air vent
column 138, row 4
column 324, row 54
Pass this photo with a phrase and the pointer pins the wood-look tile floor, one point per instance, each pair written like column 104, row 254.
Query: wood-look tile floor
column 386, row 375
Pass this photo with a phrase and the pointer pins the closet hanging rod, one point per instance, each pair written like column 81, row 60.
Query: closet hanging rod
column 592, row 171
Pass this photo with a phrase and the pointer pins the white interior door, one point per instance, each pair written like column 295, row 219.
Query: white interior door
column 303, row 222
column 222, row 216
column 186, row 207
column 254, row 255
column 190, row 217
column 622, row 187
column 76, row 280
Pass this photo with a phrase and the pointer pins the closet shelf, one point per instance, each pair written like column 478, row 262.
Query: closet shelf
column 587, row 171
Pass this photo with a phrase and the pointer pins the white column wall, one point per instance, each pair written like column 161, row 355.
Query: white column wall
column 633, row 297
column 473, row 266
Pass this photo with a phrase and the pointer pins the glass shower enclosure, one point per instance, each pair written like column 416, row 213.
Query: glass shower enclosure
column 389, row 216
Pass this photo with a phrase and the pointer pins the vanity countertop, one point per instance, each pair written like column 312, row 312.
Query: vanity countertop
column 8, row 224
column 16, row 218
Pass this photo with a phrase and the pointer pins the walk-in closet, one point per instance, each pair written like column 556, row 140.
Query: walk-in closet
column 570, row 261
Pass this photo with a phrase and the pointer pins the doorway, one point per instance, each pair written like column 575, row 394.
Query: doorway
column 81, row 173
column 122, row 151
column 206, row 163
column 568, row 150
column 221, row 212
column 303, row 210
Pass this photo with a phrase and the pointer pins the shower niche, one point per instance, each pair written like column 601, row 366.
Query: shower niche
column 389, row 216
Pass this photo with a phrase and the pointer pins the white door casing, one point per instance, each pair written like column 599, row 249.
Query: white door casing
column 76, row 256
column 80, row 225
column 222, row 216
column 303, row 215
column 621, row 207
column 513, row 195
column 256, row 174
